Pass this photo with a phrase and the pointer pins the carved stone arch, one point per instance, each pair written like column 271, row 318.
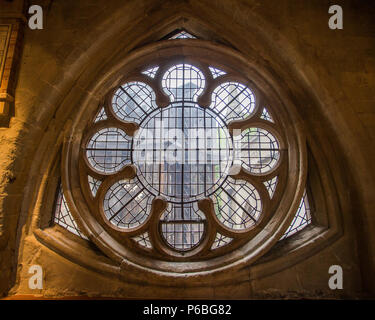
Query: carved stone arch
column 272, row 65
column 122, row 63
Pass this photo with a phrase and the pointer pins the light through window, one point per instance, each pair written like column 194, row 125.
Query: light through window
column 184, row 153
column 183, row 159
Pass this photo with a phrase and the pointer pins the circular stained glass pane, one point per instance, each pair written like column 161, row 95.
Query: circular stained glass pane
column 233, row 101
column 259, row 150
column 127, row 204
column 182, row 152
column 182, row 225
column 237, row 204
column 182, row 236
column 132, row 101
column 109, row 150
column 183, row 82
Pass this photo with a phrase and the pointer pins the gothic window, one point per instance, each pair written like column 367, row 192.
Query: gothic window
column 186, row 159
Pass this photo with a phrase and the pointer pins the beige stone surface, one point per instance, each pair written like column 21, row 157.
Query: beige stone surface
column 290, row 38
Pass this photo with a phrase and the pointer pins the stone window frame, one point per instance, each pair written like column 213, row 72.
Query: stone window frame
column 315, row 237
column 162, row 251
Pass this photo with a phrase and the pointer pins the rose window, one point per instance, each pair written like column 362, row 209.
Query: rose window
column 210, row 164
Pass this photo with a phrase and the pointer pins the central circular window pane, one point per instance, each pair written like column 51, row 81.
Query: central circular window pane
column 182, row 152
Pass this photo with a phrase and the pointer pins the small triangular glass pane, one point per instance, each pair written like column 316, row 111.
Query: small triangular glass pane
column 302, row 218
column 63, row 217
column 216, row 72
column 94, row 185
column 101, row 116
column 151, row 72
column 266, row 115
column 182, row 35
column 143, row 240
column 271, row 186
column 220, row 241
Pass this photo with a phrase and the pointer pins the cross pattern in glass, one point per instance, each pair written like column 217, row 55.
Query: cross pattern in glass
column 109, row 150
column 133, row 100
column 127, row 204
column 182, row 152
